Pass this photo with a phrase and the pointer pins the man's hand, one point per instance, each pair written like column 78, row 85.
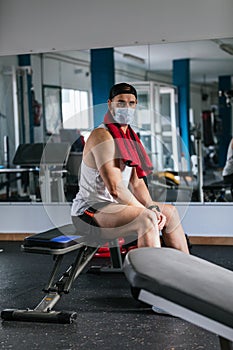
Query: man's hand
column 161, row 218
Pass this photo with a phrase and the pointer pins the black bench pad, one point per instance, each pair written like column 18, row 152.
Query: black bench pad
column 55, row 238
column 186, row 280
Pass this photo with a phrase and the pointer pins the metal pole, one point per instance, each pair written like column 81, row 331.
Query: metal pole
column 200, row 167
column 15, row 108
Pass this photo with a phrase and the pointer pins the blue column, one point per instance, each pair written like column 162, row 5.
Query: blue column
column 181, row 79
column 225, row 114
column 102, row 78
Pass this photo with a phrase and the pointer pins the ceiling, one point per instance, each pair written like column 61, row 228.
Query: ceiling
column 207, row 60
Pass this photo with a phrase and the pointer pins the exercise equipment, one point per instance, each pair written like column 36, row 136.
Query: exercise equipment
column 185, row 286
column 218, row 192
column 58, row 242
column 105, row 250
column 51, row 159
column 48, row 161
column 171, row 186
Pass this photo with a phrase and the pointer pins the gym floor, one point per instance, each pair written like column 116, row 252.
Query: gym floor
column 108, row 316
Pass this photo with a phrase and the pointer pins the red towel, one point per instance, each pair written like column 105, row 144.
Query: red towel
column 129, row 146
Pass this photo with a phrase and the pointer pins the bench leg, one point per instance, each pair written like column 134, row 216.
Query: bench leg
column 115, row 257
column 115, row 254
column 44, row 312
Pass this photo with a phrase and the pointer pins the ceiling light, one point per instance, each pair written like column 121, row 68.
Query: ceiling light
column 227, row 48
column 134, row 58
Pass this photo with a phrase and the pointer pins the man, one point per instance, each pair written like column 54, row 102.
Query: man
column 113, row 199
column 228, row 168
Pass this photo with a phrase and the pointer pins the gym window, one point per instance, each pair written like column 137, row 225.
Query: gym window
column 75, row 111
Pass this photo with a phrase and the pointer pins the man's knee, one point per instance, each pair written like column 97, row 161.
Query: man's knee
column 170, row 211
column 173, row 218
column 145, row 224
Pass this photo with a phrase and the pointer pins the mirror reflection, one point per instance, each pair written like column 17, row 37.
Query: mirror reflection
column 184, row 118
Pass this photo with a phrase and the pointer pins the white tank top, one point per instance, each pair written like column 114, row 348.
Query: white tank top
column 92, row 188
column 228, row 168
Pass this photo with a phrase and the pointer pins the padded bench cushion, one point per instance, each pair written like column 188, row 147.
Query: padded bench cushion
column 186, row 280
column 55, row 238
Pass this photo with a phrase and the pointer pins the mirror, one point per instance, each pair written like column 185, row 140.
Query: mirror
column 52, row 109
column 52, row 72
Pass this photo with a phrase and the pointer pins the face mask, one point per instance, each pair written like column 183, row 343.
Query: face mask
column 124, row 115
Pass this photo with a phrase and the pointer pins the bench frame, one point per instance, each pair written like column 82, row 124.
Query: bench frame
column 56, row 286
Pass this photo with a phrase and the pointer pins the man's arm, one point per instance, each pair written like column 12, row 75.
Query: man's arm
column 103, row 150
column 141, row 192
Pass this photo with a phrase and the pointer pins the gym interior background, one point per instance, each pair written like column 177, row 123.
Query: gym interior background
column 49, row 92
column 57, row 61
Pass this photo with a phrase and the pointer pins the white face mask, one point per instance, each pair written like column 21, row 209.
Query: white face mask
column 124, row 115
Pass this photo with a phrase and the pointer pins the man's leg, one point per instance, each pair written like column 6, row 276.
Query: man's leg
column 118, row 220
column 173, row 233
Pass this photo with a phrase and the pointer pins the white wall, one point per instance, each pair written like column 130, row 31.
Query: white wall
column 47, row 25
column 32, row 217
column 42, row 217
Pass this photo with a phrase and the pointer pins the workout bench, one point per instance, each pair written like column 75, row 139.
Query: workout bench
column 185, row 286
column 56, row 242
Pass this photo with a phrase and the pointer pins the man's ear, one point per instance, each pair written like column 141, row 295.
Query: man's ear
column 110, row 105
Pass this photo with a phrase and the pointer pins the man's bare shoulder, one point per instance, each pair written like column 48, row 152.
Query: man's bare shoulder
column 99, row 135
